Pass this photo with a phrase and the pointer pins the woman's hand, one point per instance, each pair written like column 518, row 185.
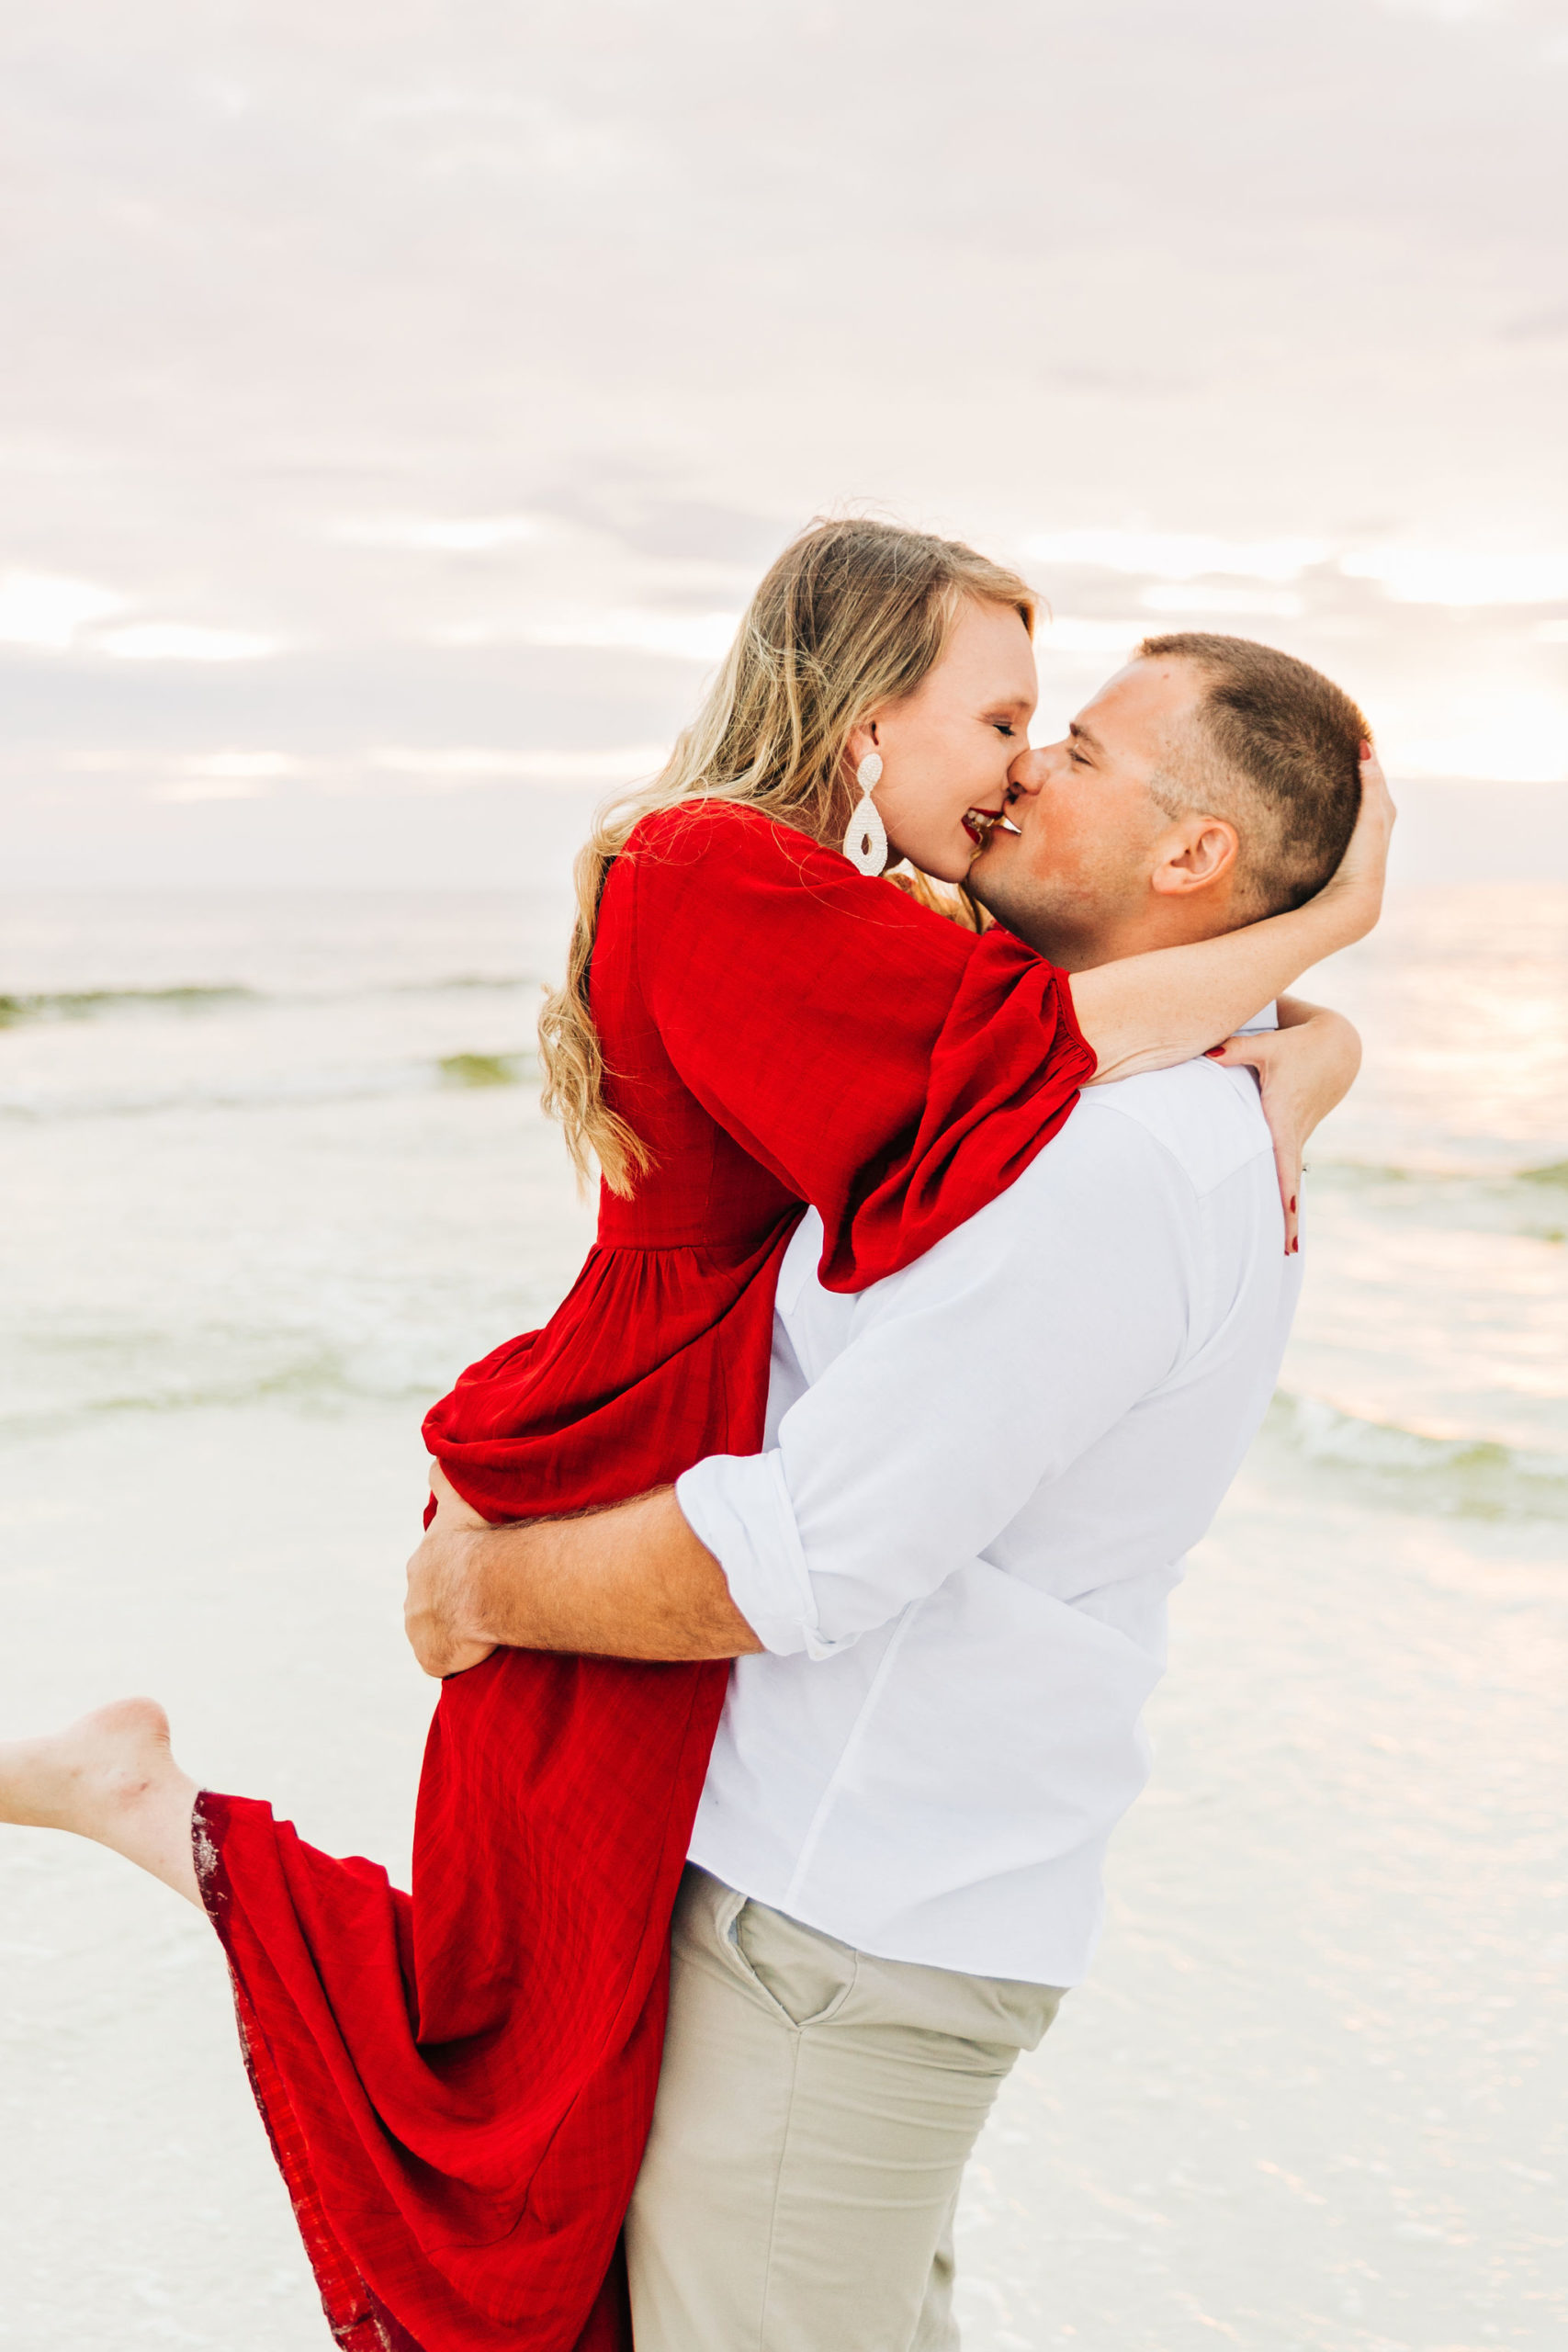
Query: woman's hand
column 1356, row 890
column 1304, row 1067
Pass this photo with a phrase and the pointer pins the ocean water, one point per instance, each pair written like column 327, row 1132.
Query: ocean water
column 274, row 1171
column 288, row 1148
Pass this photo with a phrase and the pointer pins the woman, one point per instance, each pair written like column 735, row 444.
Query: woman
column 458, row 2084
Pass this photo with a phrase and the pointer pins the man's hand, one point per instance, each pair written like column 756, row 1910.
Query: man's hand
column 440, row 1597
column 451, row 1510
column 631, row 1581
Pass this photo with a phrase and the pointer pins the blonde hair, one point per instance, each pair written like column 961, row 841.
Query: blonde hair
column 851, row 616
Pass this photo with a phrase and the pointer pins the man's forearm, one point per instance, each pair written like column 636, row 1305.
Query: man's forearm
column 632, row 1581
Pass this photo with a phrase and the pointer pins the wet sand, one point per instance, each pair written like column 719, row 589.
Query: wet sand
column 1310, row 2098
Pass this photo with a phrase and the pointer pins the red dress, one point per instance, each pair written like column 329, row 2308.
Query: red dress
column 458, row 2084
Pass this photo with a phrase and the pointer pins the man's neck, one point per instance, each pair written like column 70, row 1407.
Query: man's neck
column 1083, row 948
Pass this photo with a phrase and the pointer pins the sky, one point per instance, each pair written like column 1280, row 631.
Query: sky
column 400, row 402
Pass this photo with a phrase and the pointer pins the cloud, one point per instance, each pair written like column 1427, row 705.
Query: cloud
column 438, row 534
column 458, row 131
column 681, row 637
column 1409, row 573
column 56, row 614
column 474, row 330
column 181, row 642
column 1446, row 12
column 477, row 764
column 41, row 609
column 1198, row 597
column 1428, row 575
column 1069, row 634
column 1505, row 734
column 440, row 768
column 227, row 776
column 1176, row 555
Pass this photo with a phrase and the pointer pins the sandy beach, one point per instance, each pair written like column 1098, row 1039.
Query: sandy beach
column 1311, row 2096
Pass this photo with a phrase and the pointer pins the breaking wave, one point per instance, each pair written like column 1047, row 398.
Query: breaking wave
column 1358, row 1174
column 106, row 1004
column 1474, row 1476
column 93, row 1004
column 291, row 1091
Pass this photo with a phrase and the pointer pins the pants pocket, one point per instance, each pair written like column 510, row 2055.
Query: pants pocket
column 805, row 1975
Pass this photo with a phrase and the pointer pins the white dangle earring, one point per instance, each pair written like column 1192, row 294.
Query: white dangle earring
column 865, row 844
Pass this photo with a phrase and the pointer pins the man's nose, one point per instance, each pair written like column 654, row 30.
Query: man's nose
column 1027, row 773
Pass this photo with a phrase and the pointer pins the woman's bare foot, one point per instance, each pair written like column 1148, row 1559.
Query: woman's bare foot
column 109, row 1777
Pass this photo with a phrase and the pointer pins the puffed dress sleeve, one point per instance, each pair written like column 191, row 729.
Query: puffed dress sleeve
column 892, row 1070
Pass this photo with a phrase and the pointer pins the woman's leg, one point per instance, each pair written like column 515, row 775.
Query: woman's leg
column 109, row 1777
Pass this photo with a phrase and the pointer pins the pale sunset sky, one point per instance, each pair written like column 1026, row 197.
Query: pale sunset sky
column 400, row 401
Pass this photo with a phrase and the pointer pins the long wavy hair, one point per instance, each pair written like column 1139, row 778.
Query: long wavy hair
column 850, row 618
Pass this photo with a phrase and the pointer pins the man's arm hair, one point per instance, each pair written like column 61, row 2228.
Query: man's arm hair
column 988, row 1366
column 629, row 1581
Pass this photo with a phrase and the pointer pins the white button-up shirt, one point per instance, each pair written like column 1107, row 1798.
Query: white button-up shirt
column 979, row 1480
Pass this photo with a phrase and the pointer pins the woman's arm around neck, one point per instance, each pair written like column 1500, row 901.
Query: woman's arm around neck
column 1151, row 1011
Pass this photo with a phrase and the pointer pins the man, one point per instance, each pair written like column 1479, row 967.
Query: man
column 945, row 1579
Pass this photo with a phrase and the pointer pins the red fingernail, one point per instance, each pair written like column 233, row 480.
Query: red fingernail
column 1213, row 1053
column 1366, row 750
column 1292, row 1203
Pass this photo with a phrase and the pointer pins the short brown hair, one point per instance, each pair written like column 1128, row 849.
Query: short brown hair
column 1284, row 737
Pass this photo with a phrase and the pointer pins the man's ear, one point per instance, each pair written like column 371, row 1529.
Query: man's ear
column 1195, row 855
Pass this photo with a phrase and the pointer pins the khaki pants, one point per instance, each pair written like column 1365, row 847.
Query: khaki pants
column 816, row 2110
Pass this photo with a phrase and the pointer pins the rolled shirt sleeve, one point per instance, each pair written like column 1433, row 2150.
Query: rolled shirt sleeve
column 738, row 1505
column 969, row 1378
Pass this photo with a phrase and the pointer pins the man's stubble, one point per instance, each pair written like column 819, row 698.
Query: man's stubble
column 1076, row 919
